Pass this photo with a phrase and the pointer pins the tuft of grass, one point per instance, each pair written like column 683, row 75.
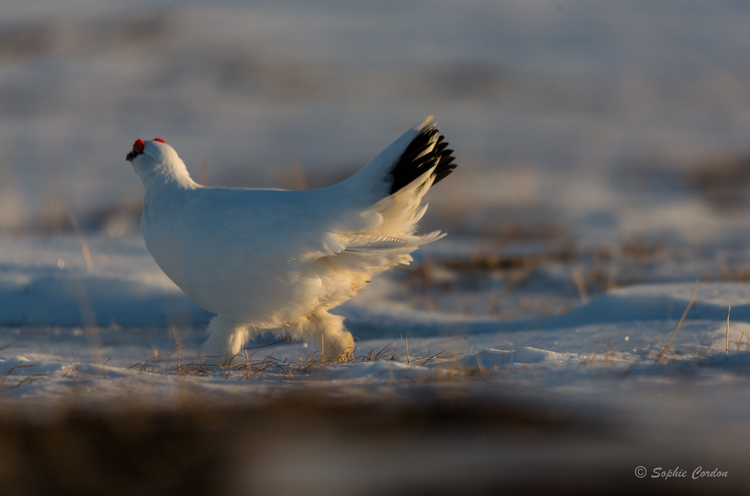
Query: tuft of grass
column 247, row 366
column 699, row 353
column 608, row 357
column 20, row 365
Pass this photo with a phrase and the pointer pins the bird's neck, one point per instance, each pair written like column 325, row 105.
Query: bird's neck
column 166, row 183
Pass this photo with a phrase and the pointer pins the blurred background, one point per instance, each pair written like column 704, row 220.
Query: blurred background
column 597, row 122
column 599, row 144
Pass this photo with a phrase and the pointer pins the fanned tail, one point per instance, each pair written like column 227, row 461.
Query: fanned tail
column 427, row 151
column 384, row 207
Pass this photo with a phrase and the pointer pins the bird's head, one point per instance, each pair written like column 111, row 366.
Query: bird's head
column 155, row 157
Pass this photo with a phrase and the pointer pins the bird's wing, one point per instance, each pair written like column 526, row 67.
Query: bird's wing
column 251, row 229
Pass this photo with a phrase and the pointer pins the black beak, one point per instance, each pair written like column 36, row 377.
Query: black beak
column 130, row 156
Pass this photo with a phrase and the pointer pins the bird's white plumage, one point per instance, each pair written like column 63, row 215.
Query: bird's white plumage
column 274, row 260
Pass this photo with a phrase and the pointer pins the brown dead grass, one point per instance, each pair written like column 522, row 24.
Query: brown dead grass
column 254, row 364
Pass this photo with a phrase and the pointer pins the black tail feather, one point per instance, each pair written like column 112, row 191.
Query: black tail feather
column 414, row 161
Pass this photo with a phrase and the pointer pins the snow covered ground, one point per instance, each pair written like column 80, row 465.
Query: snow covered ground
column 603, row 171
column 64, row 322
column 634, row 384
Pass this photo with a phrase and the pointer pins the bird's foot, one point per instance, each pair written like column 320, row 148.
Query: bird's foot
column 338, row 348
column 224, row 345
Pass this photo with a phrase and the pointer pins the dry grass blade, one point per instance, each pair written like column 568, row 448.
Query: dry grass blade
column 267, row 345
column 511, row 351
column 406, row 344
column 726, row 349
column 580, row 283
column 479, row 364
column 82, row 241
column 679, row 325
column 743, row 335
column 19, row 365
column 702, row 353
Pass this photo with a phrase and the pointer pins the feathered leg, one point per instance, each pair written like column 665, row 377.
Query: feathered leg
column 336, row 342
column 323, row 331
column 225, row 342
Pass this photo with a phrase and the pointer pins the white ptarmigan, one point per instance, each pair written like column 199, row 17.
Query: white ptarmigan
column 276, row 261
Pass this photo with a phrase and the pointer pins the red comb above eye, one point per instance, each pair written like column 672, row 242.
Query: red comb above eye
column 159, row 140
column 138, row 145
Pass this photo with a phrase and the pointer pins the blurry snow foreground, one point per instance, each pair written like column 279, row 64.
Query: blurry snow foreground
column 276, row 261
